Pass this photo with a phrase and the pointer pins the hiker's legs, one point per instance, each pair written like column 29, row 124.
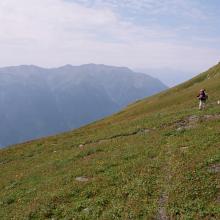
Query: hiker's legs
column 201, row 104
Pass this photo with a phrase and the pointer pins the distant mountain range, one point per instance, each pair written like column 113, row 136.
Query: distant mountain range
column 36, row 102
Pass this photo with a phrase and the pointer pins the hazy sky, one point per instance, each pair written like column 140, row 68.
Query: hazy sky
column 177, row 34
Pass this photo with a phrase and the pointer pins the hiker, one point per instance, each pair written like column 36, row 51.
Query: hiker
column 202, row 98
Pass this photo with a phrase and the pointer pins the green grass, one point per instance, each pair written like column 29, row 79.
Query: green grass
column 131, row 159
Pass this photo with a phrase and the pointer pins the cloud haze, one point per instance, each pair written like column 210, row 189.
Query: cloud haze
column 137, row 34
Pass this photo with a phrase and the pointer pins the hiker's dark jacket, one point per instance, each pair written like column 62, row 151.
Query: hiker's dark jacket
column 202, row 96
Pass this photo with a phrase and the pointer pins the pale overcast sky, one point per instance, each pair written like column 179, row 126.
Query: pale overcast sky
column 177, row 34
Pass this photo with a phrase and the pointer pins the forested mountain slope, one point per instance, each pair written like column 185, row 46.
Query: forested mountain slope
column 36, row 102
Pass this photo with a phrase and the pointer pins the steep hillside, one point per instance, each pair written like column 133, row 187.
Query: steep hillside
column 37, row 102
column 157, row 159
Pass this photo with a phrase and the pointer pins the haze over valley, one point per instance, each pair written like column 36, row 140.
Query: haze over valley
column 37, row 102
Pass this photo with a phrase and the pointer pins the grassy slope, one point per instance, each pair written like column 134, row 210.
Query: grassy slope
column 139, row 165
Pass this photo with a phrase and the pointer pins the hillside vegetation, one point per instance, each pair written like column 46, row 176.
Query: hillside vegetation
column 157, row 159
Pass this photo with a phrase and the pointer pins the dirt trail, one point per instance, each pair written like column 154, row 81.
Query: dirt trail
column 139, row 131
column 162, row 215
column 187, row 123
column 168, row 174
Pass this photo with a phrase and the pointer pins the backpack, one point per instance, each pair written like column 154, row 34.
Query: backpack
column 203, row 96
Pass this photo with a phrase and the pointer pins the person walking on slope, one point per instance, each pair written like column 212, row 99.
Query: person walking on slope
column 202, row 98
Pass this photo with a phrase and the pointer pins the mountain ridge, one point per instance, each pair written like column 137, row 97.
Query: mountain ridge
column 39, row 102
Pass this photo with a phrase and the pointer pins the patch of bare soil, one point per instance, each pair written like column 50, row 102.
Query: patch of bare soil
column 192, row 121
column 215, row 168
column 162, row 210
column 82, row 179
